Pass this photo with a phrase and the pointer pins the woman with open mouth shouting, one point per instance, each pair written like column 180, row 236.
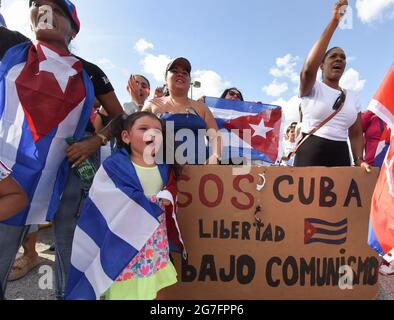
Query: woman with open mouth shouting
column 330, row 114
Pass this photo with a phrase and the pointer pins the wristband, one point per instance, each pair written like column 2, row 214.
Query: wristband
column 104, row 139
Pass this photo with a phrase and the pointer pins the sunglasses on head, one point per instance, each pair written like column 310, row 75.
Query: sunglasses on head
column 340, row 100
column 234, row 94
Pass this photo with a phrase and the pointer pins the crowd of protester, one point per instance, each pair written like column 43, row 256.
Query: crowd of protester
column 331, row 120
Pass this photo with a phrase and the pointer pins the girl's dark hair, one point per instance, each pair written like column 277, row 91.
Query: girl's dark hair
column 224, row 94
column 125, row 122
column 328, row 52
column 143, row 77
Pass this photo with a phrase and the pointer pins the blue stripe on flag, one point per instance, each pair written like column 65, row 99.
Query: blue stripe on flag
column 327, row 241
column 112, row 248
column 81, row 287
column 93, row 223
column 373, row 241
column 331, row 232
column 13, row 56
column 326, row 223
column 28, row 169
column 239, row 106
column 115, row 248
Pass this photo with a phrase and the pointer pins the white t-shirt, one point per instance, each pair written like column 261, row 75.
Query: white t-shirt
column 318, row 106
column 130, row 107
column 288, row 147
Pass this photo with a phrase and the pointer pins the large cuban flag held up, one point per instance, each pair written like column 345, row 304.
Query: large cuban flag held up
column 115, row 224
column 249, row 130
column 45, row 97
column 381, row 229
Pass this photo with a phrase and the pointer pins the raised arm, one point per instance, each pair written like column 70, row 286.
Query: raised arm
column 316, row 55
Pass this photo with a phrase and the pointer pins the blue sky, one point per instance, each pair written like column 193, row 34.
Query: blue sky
column 256, row 45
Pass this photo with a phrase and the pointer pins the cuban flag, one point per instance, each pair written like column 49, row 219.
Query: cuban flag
column 382, row 103
column 115, row 225
column 381, row 228
column 327, row 232
column 45, row 97
column 382, row 148
column 249, row 130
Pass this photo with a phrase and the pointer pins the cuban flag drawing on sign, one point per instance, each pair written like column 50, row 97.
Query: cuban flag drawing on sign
column 45, row 97
column 249, row 130
column 111, row 233
column 322, row 231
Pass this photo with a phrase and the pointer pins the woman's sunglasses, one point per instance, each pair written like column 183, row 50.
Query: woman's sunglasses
column 234, row 94
column 340, row 100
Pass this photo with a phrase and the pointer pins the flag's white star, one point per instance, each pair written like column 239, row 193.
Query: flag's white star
column 260, row 129
column 60, row 67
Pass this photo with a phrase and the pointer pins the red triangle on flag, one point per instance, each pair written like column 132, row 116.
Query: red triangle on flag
column 262, row 128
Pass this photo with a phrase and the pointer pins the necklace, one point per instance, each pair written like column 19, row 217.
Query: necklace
column 178, row 107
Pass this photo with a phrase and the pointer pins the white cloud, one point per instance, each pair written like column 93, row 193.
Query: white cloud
column 142, row 45
column 286, row 67
column 105, row 63
column 275, row 89
column 16, row 15
column 351, row 80
column 156, row 66
column 212, row 84
column 371, row 10
column 290, row 109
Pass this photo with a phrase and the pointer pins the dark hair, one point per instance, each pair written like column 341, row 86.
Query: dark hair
column 328, row 52
column 291, row 126
column 125, row 122
column 224, row 94
column 143, row 77
column 166, row 92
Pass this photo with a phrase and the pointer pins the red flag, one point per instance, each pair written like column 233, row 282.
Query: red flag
column 381, row 235
column 383, row 102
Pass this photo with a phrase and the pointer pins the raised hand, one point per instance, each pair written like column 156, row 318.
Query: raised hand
column 134, row 87
column 340, row 9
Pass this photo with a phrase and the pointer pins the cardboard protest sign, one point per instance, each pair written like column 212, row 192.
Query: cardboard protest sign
column 309, row 241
